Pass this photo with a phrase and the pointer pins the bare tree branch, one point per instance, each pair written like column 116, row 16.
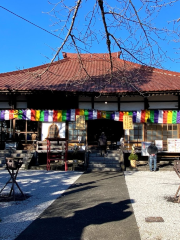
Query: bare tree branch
column 128, row 26
column 100, row 2
column 79, row 57
column 65, row 40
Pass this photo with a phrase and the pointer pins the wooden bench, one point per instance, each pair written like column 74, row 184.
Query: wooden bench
column 41, row 147
column 167, row 158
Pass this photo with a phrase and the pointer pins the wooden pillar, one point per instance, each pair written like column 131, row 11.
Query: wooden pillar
column 92, row 102
column 118, row 103
column 66, row 131
column 178, row 102
column 146, row 103
column 145, row 132
column 14, row 125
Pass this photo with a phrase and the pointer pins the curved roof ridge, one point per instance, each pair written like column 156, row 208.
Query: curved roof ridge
column 91, row 55
column 68, row 75
column 31, row 69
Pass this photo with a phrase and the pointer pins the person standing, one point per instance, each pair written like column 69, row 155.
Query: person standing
column 122, row 142
column 102, row 141
column 152, row 150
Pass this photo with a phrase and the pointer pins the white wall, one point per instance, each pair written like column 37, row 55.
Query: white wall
column 4, row 105
column 85, row 105
column 106, row 107
column 163, row 105
column 21, row 104
column 106, row 99
column 131, row 106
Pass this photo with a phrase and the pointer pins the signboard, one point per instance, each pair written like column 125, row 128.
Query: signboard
column 144, row 146
column 159, row 144
column 173, row 144
column 45, row 127
column 80, row 122
column 127, row 122
column 126, row 132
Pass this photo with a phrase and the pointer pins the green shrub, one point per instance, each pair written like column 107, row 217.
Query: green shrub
column 133, row 156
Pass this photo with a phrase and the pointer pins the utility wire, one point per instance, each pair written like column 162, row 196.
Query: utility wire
column 40, row 27
column 31, row 23
column 44, row 29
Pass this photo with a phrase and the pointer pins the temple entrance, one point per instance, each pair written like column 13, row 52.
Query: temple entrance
column 112, row 129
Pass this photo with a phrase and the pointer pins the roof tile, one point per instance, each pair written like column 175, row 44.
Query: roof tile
column 93, row 75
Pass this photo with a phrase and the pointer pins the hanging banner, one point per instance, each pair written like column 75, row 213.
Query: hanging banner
column 127, row 122
column 128, row 118
column 80, row 122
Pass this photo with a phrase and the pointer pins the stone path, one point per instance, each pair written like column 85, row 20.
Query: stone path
column 96, row 207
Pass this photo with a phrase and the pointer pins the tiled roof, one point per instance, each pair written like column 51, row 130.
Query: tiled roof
column 92, row 75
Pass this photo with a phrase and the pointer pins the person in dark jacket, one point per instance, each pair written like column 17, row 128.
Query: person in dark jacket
column 152, row 150
column 102, row 142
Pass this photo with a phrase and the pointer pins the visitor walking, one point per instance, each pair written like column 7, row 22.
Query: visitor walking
column 102, row 142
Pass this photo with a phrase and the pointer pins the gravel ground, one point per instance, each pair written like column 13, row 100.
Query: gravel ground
column 44, row 187
column 148, row 192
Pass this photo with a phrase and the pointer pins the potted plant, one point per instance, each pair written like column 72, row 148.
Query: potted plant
column 133, row 157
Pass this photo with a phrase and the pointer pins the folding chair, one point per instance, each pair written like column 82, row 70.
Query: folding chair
column 13, row 168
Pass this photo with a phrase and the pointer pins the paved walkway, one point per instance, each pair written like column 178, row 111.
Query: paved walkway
column 96, row 207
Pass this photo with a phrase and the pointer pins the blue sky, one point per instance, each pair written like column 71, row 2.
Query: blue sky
column 23, row 45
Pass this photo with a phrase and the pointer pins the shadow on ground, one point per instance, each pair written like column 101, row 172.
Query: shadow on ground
column 95, row 207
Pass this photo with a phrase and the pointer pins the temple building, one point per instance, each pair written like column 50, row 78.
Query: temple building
column 100, row 91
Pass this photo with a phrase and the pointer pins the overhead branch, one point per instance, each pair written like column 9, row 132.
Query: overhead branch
column 79, row 56
column 140, row 23
column 100, row 2
column 121, row 48
column 66, row 38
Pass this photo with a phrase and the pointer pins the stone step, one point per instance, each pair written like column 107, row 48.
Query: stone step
column 98, row 163
column 108, row 151
column 104, row 162
column 3, row 165
column 95, row 154
column 99, row 154
column 106, row 169
column 103, row 158
column 2, row 168
column 2, row 161
column 23, row 155
column 103, row 165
